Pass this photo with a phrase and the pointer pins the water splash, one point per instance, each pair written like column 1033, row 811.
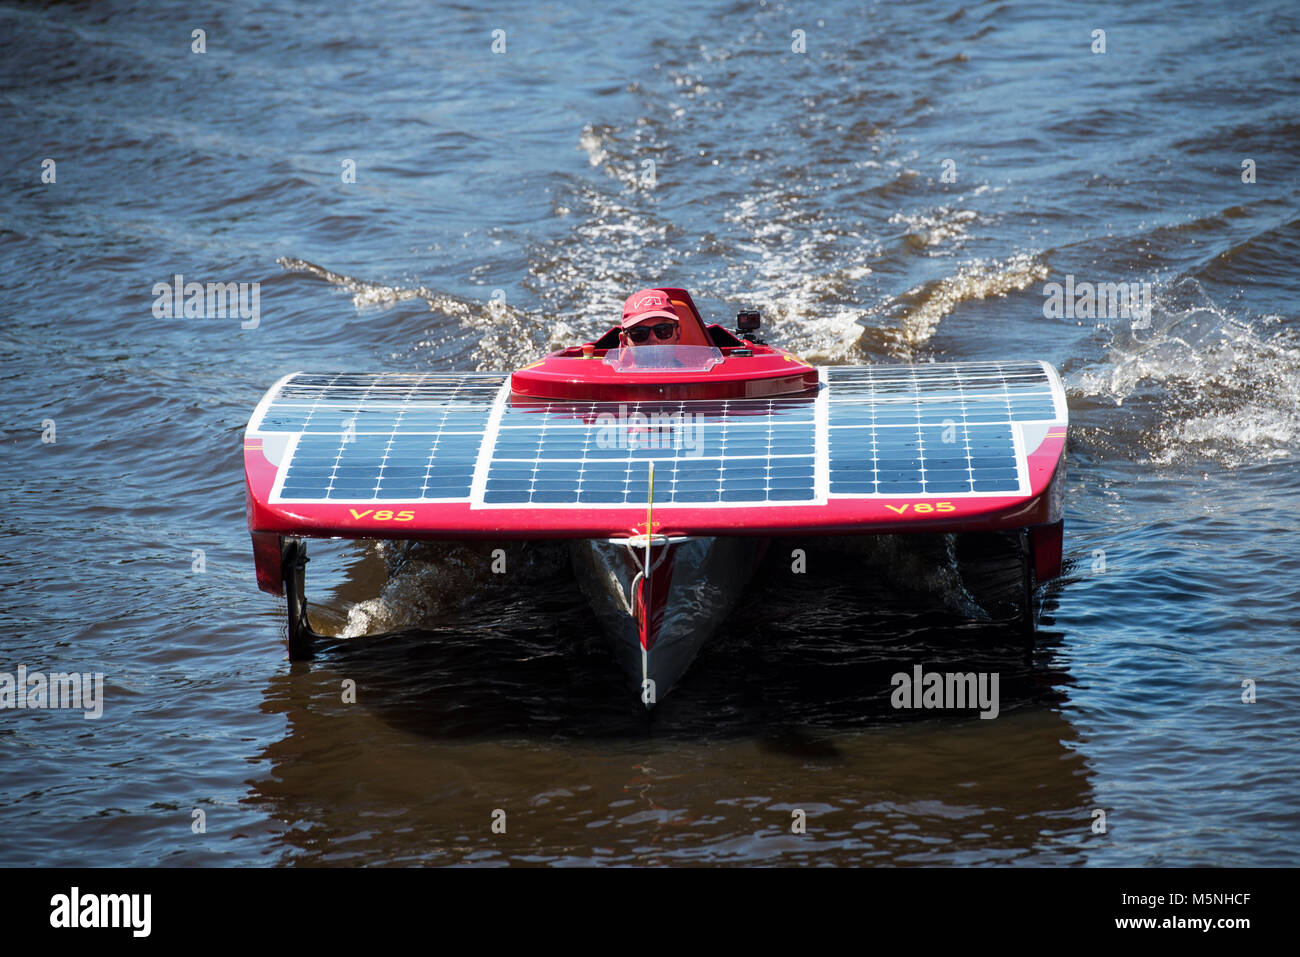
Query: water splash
column 937, row 227
column 1226, row 385
column 425, row 580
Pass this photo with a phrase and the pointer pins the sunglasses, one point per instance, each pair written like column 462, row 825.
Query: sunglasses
column 663, row 330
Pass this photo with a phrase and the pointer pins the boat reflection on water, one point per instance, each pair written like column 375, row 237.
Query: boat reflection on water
column 509, row 702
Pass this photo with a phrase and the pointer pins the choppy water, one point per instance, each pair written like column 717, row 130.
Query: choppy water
column 808, row 185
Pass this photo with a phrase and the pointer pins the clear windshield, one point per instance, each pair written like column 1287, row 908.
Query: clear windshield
column 673, row 358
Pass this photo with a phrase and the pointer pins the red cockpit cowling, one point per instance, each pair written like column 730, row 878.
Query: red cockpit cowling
column 745, row 369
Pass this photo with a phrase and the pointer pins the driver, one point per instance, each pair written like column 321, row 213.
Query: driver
column 650, row 318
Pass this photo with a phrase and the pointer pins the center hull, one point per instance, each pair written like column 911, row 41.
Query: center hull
column 658, row 624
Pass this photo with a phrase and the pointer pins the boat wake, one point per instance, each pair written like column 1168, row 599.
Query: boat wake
column 507, row 336
column 903, row 325
column 1223, row 385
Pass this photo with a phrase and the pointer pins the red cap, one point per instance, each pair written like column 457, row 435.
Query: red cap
column 648, row 304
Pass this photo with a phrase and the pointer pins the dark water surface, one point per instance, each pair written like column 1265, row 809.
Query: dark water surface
column 807, row 185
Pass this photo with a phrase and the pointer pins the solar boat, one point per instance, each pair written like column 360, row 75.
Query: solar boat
column 668, row 469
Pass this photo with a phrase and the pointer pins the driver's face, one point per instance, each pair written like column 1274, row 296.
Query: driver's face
column 653, row 332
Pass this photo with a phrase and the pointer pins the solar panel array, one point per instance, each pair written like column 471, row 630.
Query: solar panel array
column 382, row 438
column 931, row 430
column 741, row 450
column 873, row 431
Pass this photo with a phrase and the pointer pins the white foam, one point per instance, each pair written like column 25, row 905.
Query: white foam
column 1228, row 385
column 940, row 226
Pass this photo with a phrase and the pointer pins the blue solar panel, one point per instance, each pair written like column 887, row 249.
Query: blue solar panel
column 746, row 450
column 931, row 430
column 381, row 438
column 942, row 429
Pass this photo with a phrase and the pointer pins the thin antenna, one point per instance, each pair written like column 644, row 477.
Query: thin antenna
column 645, row 582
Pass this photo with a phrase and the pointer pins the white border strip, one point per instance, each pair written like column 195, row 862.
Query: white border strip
column 478, row 485
column 1058, row 393
column 821, row 441
column 1022, row 461
column 282, row 471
